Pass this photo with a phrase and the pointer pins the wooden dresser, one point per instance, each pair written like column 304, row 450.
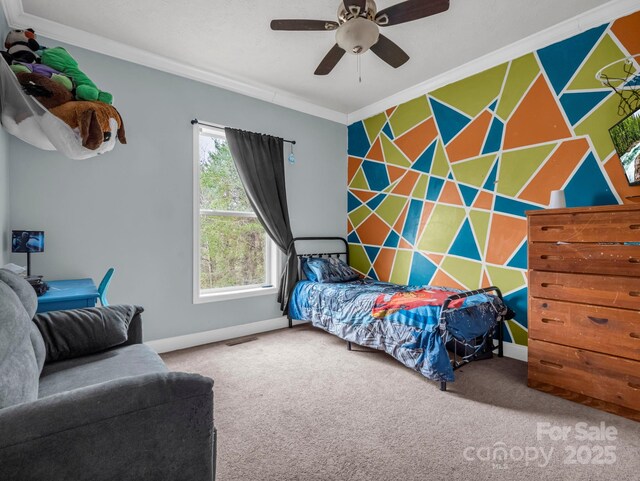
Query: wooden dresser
column 584, row 305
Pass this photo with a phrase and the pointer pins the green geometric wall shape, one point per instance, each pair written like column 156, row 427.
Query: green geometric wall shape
column 518, row 333
column 401, row 267
column 605, row 53
column 522, row 72
column 475, row 171
column 393, row 155
column 357, row 216
column 442, row 227
column 473, row 94
column 517, row 167
column 420, row 191
column 440, row 165
column 480, row 224
column 507, row 279
column 373, row 125
column 359, row 181
column 390, row 208
column 597, row 126
column 409, row 114
column 358, row 258
column 464, row 270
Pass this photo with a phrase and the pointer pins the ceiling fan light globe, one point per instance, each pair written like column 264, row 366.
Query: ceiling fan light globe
column 357, row 35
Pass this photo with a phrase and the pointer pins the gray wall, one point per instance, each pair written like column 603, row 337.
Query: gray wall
column 132, row 207
column 4, row 180
column 4, row 199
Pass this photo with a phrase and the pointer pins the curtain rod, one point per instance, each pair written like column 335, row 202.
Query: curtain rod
column 196, row 121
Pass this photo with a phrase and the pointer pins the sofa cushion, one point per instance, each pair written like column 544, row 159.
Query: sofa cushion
column 106, row 366
column 19, row 369
column 23, row 289
column 78, row 332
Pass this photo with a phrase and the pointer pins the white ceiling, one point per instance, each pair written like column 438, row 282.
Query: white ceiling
column 232, row 38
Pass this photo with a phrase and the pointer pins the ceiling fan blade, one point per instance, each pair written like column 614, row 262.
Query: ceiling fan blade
column 356, row 7
column 297, row 25
column 330, row 60
column 389, row 52
column 410, row 10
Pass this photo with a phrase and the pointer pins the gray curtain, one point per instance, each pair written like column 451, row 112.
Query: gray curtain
column 259, row 160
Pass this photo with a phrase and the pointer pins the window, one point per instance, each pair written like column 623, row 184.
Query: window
column 233, row 255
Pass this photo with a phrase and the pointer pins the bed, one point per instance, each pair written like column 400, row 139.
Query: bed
column 414, row 324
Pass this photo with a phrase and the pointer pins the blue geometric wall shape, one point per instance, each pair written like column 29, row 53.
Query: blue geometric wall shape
column 450, row 121
column 506, row 337
column 372, row 252
column 579, row 104
column 353, row 238
column 588, row 186
column 435, row 186
column 450, row 176
column 372, row 275
column 376, row 201
column 422, row 270
column 490, row 183
column 468, row 194
column 494, row 138
column 562, row 59
column 519, row 260
column 352, row 202
column 465, row 243
column 376, row 174
column 517, row 301
column 423, row 163
column 510, row 206
column 493, row 106
column 358, row 144
column 392, row 240
column 387, row 130
column 412, row 221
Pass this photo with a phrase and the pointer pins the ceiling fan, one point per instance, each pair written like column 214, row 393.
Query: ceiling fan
column 357, row 29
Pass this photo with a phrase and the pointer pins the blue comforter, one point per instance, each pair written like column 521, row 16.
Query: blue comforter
column 400, row 320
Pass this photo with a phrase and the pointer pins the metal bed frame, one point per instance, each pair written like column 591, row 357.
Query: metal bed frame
column 458, row 360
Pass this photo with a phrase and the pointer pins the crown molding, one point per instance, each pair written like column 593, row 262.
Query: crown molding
column 18, row 18
column 561, row 31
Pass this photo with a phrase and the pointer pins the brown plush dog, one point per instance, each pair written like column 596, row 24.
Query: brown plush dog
column 49, row 93
column 92, row 119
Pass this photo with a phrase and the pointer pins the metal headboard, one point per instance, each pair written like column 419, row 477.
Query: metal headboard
column 344, row 252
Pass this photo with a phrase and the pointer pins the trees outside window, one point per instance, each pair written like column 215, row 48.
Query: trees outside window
column 235, row 252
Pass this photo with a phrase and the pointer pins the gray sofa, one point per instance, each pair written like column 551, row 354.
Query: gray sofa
column 81, row 398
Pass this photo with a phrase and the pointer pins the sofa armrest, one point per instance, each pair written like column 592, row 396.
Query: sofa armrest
column 155, row 426
column 78, row 332
column 134, row 333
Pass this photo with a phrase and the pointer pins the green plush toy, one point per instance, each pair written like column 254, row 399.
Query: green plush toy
column 59, row 59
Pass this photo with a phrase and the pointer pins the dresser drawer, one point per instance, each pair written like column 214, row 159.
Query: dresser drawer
column 600, row 329
column 604, row 226
column 623, row 292
column 600, row 376
column 615, row 259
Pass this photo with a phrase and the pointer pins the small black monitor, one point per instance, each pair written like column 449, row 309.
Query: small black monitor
column 626, row 139
column 27, row 241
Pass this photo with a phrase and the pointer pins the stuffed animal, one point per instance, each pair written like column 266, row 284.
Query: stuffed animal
column 21, row 45
column 59, row 59
column 92, row 119
column 45, row 90
column 44, row 71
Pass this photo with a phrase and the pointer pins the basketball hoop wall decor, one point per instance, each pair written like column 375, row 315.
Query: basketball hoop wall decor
column 623, row 77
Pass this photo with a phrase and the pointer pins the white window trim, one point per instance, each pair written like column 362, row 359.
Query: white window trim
column 229, row 293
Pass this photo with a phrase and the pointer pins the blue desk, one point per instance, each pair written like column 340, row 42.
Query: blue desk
column 70, row 294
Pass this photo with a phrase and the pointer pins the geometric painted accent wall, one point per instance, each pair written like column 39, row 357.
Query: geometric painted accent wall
column 438, row 186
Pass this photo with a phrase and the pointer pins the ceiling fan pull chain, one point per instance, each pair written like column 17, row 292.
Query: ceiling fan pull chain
column 359, row 69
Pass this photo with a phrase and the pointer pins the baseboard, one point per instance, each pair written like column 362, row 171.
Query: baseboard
column 216, row 335
column 515, row 351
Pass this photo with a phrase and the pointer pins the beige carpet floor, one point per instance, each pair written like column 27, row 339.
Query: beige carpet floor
column 296, row 405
